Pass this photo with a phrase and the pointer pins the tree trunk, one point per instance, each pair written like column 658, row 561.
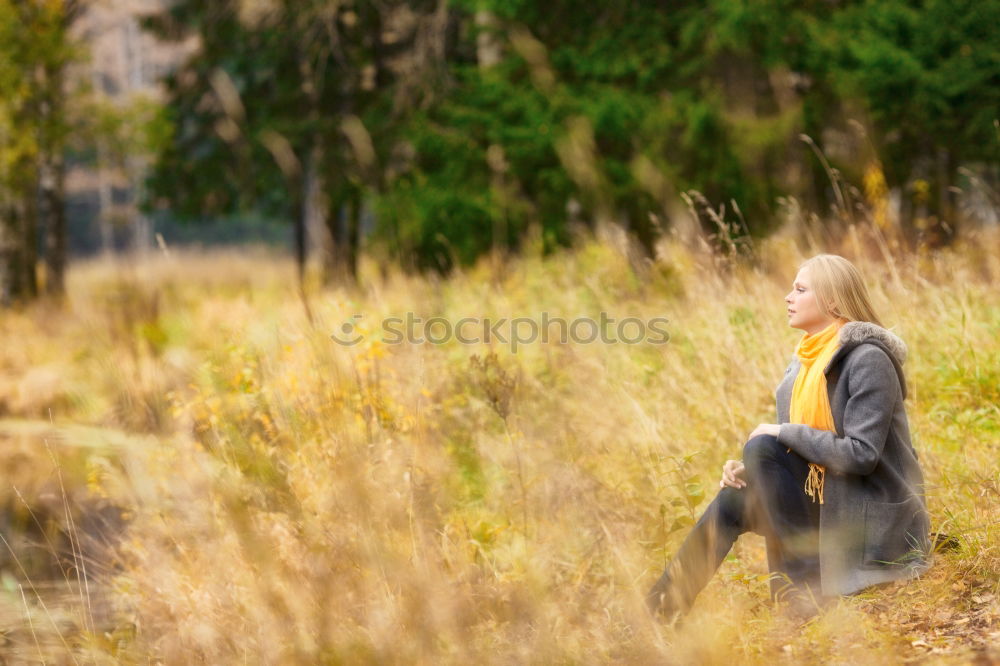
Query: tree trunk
column 9, row 258
column 332, row 239
column 53, row 217
column 947, row 222
column 318, row 212
column 353, row 235
column 298, row 210
column 18, row 283
column 343, row 221
column 29, row 238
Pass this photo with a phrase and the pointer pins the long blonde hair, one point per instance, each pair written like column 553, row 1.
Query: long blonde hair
column 836, row 281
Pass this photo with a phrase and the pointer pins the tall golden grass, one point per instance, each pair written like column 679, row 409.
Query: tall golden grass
column 292, row 500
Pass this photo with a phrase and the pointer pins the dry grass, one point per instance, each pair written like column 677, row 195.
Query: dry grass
column 296, row 501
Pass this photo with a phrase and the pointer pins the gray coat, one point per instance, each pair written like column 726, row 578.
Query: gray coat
column 874, row 525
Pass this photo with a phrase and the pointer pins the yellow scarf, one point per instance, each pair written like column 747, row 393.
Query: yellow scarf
column 810, row 403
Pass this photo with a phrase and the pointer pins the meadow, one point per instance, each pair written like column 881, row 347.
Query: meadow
column 194, row 471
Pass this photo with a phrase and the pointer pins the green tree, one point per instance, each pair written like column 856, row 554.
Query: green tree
column 35, row 51
column 462, row 129
column 928, row 73
column 274, row 107
column 606, row 114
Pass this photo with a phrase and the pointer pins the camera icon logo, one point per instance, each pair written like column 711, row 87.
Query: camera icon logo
column 348, row 334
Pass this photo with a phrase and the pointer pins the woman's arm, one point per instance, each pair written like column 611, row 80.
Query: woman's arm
column 874, row 390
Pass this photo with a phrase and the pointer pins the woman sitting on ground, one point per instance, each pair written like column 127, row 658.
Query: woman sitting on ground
column 835, row 487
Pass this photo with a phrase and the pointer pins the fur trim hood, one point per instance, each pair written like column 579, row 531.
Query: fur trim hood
column 855, row 332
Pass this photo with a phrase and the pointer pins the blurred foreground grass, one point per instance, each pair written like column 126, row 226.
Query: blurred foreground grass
column 277, row 498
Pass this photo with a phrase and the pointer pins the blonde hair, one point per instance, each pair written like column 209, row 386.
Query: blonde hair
column 839, row 284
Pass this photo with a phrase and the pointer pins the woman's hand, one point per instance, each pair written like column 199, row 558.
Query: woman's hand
column 731, row 472
column 765, row 429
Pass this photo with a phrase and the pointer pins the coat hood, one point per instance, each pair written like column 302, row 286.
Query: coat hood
column 854, row 333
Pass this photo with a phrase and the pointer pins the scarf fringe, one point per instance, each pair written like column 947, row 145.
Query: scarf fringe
column 815, row 482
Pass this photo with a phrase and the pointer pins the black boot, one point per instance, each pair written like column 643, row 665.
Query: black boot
column 662, row 599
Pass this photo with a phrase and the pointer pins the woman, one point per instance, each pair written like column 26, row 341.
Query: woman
column 834, row 487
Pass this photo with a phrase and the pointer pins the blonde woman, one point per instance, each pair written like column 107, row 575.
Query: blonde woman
column 835, row 486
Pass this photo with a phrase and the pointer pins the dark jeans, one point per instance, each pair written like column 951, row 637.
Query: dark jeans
column 774, row 505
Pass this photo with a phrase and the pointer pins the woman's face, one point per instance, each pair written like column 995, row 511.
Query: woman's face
column 803, row 307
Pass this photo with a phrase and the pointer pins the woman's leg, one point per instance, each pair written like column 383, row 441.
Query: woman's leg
column 785, row 515
column 708, row 543
column 773, row 504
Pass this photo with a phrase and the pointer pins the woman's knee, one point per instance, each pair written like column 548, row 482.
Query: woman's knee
column 730, row 504
column 761, row 447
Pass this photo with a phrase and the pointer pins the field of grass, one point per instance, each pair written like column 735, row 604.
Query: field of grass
column 241, row 489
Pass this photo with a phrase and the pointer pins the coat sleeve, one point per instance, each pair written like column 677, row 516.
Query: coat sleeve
column 873, row 391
